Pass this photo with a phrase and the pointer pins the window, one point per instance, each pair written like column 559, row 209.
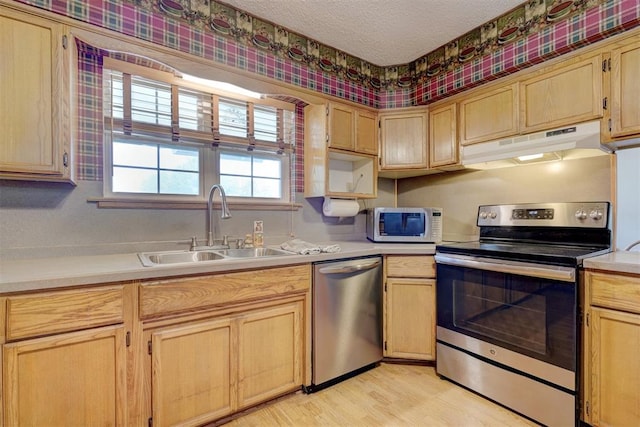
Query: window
column 167, row 139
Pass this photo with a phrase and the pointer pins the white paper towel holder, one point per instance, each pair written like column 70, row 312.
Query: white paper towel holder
column 340, row 207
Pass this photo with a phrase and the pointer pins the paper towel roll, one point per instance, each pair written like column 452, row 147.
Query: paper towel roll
column 340, row 207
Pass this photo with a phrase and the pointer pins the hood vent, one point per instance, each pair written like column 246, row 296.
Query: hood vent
column 572, row 142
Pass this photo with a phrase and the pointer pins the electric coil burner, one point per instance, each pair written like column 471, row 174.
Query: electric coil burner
column 507, row 305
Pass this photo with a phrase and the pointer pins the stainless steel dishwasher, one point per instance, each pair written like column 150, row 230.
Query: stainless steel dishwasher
column 347, row 319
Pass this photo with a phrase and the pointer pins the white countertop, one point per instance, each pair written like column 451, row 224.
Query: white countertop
column 619, row 262
column 56, row 272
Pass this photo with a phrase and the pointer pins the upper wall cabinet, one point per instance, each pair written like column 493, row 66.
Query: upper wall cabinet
column 403, row 140
column 489, row 115
column 335, row 170
column 443, row 136
column 564, row 94
column 351, row 129
column 34, row 98
column 625, row 90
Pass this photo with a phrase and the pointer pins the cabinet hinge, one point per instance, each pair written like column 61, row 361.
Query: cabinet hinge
column 385, row 346
column 587, row 409
column 149, row 346
column 587, row 319
column 609, row 64
column 150, row 422
column 127, row 339
column 604, row 102
column 385, row 286
column 65, row 41
column 609, row 125
column 65, row 159
column 327, row 111
column 604, row 65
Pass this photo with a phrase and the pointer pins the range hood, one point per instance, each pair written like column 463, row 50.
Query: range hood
column 569, row 142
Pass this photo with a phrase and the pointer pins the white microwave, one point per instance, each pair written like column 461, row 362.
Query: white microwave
column 403, row 225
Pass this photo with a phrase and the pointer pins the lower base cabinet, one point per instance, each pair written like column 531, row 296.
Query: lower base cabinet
column 72, row 379
column 612, row 344
column 205, row 370
column 409, row 329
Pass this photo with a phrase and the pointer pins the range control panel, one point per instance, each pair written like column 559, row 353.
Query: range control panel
column 569, row 214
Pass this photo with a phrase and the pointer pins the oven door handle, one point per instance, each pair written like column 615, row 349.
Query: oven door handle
column 563, row 274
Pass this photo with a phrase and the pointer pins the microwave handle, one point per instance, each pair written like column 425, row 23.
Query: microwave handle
column 563, row 274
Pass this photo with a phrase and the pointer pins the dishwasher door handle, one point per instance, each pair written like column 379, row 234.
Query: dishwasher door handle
column 348, row 268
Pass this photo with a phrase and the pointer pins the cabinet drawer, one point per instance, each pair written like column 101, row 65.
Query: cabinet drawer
column 55, row 312
column 189, row 294
column 411, row 266
column 615, row 291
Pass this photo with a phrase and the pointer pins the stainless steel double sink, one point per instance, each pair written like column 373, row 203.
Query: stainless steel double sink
column 151, row 259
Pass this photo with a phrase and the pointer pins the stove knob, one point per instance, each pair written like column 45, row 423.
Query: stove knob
column 493, row 215
column 580, row 214
column 483, row 215
column 595, row 215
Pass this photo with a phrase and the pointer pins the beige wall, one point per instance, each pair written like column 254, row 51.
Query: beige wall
column 460, row 193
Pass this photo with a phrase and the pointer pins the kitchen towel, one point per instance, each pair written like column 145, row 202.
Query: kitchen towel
column 305, row 248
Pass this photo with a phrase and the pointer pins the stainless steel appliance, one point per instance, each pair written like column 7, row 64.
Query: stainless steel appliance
column 507, row 305
column 347, row 319
column 420, row 225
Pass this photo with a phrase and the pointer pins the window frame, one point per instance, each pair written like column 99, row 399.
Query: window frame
column 209, row 158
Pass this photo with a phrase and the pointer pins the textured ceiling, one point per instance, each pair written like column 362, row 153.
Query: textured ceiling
column 382, row 32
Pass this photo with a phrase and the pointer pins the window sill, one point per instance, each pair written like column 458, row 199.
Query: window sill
column 196, row 205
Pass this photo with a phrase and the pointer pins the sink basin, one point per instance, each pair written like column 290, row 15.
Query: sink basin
column 252, row 252
column 150, row 259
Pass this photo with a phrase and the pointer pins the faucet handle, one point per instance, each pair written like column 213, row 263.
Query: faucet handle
column 194, row 243
column 225, row 240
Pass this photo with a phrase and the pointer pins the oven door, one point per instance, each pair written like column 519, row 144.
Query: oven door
column 529, row 309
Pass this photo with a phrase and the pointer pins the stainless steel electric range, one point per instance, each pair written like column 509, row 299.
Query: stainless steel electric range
column 508, row 305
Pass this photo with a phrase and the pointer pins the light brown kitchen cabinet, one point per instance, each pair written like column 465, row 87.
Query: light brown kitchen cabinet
column 443, row 136
column 489, row 115
column 64, row 362
column 193, row 373
column 270, row 353
column 220, row 343
column 346, row 128
column 409, row 307
column 565, row 94
column 612, row 342
column 625, row 91
column 366, row 132
column 332, row 167
column 34, row 106
column 403, row 140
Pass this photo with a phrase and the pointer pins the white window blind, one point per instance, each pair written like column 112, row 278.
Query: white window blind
column 165, row 138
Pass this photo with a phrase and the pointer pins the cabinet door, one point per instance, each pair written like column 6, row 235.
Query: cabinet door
column 489, row 115
column 410, row 319
column 271, row 343
column 367, row 132
column 563, row 96
column 625, row 91
column 443, row 137
column 341, row 127
column 615, row 368
column 193, row 373
column 33, row 99
column 74, row 379
column 403, row 141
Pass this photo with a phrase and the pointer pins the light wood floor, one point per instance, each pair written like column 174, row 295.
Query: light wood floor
column 388, row 395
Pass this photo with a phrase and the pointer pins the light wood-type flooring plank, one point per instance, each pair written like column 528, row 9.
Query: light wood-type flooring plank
column 389, row 395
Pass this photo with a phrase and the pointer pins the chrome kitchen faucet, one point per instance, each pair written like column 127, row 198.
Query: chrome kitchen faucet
column 224, row 208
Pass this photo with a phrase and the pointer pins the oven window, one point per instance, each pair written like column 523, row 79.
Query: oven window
column 532, row 316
